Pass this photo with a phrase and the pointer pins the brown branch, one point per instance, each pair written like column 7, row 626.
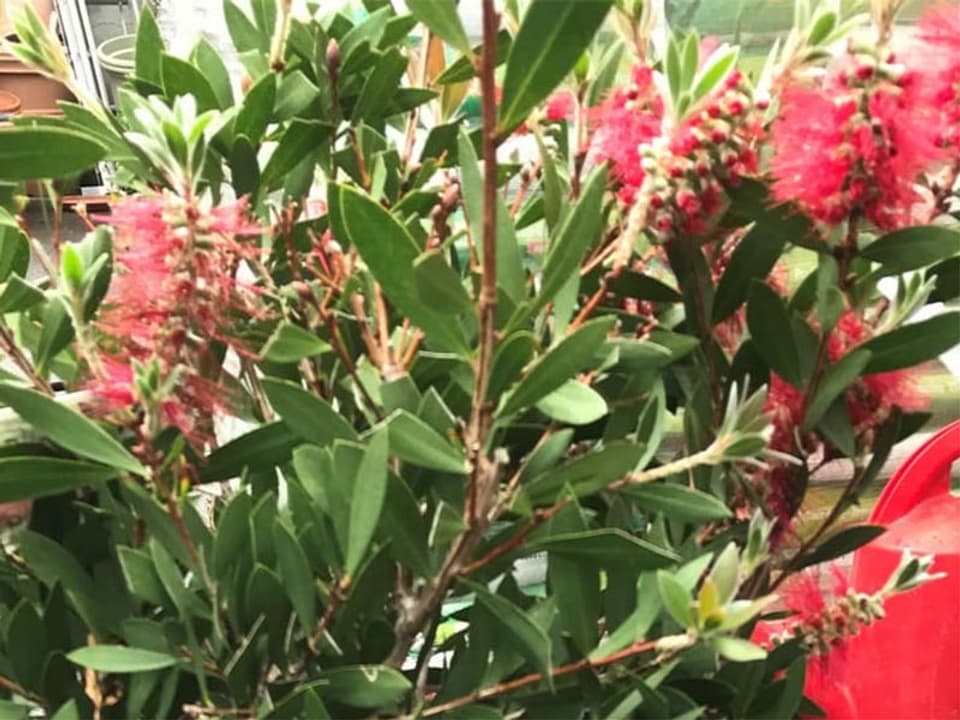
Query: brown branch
column 534, row 678
column 538, row 519
column 481, row 415
column 21, row 691
column 338, row 596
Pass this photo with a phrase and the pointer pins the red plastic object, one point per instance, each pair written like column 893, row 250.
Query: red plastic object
column 907, row 666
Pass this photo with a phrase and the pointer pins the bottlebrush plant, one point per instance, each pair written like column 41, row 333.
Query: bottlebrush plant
column 354, row 404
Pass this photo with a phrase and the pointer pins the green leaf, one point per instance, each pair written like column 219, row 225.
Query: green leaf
column 296, row 94
column 369, row 491
column 912, row 248
column 913, row 344
column 206, row 58
column 609, row 66
column 714, row 71
column 674, row 70
column 289, row 343
column 511, row 356
column 389, row 251
column 607, row 547
column 441, row 17
column 586, row 474
column 140, row 576
column 257, row 107
column 752, row 259
column 644, row 287
column 552, row 187
column 402, row 525
column 462, row 69
column 510, row 275
column 233, row 533
column 68, row 428
column 439, row 286
column 28, row 153
column 836, row 379
column 737, row 649
column 574, row 354
column 769, row 323
column 676, row 598
column 36, row 477
column 574, row 403
column 120, row 659
column 242, row 31
column 381, row 83
column 550, row 41
column 413, row 441
column 517, row 627
column 55, row 334
column 840, row 543
column 575, row 584
column 691, row 59
column 579, row 231
column 306, row 414
column 149, row 48
column 267, row 446
column 182, row 78
column 18, row 295
column 678, row 501
column 297, row 575
column 301, row 138
column 364, row 686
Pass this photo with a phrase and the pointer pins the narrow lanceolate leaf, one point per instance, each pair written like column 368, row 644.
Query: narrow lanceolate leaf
column 608, row 547
column 510, row 275
column 35, row 477
column 290, row 343
column 769, row 323
column 678, row 502
column 752, row 259
column 550, row 41
column 120, row 659
column 577, row 233
column 296, row 574
column 389, row 251
column 28, row 153
column 369, row 490
column 413, row 441
column 441, row 17
column 307, row 415
column 526, row 636
column 364, row 686
column 68, row 428
column 738, row 650
column 913, row 344
column 571, row 355
column 913, row 248
column 149, row 47
column 439, row 286
column 837, row 378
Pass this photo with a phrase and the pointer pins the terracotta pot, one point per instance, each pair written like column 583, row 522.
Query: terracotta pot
column 9, row 104
column 36, row 92
column 44, row 9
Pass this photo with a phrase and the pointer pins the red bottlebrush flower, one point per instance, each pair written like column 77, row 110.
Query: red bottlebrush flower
column 174, row 290
column 114, row 387
column 712, row 145
column 854, row 140
column 938, row 32
column 811, row 164
column 629, row 118
column 560, row 106
column 785, row 405
column 874, row 397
